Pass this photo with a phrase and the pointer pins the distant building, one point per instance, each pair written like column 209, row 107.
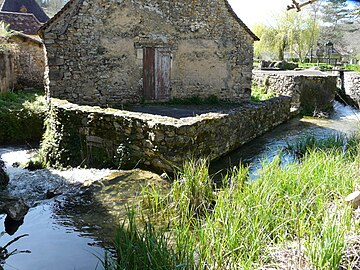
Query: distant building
column 115, row 52
column 25, row 17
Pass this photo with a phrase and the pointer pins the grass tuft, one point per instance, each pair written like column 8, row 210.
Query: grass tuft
column 238, row 225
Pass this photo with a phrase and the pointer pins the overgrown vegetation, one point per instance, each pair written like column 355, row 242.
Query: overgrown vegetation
column 260, row 93
column 5, row 33
column 294, row 212
column 22, row 117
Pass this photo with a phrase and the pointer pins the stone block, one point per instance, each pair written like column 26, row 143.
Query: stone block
column 353, row 199
column 56, row 61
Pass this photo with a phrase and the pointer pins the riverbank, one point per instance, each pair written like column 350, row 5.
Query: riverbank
column 293, row 216
column 85, row 221
column 22, row 116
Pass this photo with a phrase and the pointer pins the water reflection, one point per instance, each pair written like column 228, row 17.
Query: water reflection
column 54, row 241
column 53, row 245
column 68, row 230
column 11, row 225
column 5, row 252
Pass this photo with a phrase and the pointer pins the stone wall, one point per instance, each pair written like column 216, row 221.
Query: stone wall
column 7, row 70
column 25, row 62
column 351, row 86
column 310, row 91
column 29, row 61
column 96, row 50
column 83, row 135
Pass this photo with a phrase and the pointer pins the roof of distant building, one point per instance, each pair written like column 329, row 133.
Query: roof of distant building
column 25, row 6
column 21, row 22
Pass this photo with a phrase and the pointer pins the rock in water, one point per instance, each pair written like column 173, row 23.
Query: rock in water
column 4, row 178
column 13, row 207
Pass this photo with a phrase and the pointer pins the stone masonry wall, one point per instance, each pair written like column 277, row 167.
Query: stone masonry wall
column 95, row 50
column 309, row 91
column 7, row 72
column 352, row 86
column 30, row 62
column 83, row 135
column 27, row 58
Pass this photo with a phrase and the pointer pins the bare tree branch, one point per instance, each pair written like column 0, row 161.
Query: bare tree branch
column 296, row 5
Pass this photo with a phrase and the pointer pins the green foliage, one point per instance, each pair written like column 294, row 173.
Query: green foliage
column 35, row 163
column 326, row 251
column 334, row 13
column 56, row 135
column 142, row 248
column 337, row 142
column 260, row 93
column 192, row 193
column 352, row 67
column 5, row 30
column 5, row 33
column 22, row 117
column 236, row 226
column 293, row 32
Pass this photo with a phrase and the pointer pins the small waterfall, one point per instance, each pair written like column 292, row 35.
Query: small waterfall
column 61, row 235
column 32, row 186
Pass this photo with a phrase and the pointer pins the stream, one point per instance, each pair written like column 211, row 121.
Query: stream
column 75, row 228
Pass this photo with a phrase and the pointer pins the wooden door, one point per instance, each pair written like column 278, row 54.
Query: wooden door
column 162, row 73
column 149, row 73
column 157, row 68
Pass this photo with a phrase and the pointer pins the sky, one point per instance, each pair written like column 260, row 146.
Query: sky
column 255, row 11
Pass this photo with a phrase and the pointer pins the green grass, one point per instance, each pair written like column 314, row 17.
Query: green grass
column 337, row 141
column 352, row 67
column 322, row 66
column 260, row 93
column 238, row 225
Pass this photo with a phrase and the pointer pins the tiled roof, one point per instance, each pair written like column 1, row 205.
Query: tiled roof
column 21, row 22
column 25, row 6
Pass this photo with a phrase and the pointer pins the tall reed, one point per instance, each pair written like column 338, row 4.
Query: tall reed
column 235, row 227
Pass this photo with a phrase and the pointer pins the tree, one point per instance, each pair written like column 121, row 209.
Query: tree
column 298, row 5
column 293, row 32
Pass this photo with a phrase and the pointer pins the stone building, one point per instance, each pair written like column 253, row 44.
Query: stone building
column 25, row 58
column 28, row 60
column 113, row 52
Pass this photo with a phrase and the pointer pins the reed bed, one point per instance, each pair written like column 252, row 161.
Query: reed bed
column 292, row 217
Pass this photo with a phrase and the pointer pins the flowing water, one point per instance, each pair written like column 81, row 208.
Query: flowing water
column 345, row 119
column 73, row 229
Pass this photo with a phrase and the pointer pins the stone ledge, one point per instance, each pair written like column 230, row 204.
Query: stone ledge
column 97, row 137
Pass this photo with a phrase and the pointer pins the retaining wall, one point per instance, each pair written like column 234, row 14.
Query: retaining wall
column 83, row 135
column 310, row 91
column 351, row 86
